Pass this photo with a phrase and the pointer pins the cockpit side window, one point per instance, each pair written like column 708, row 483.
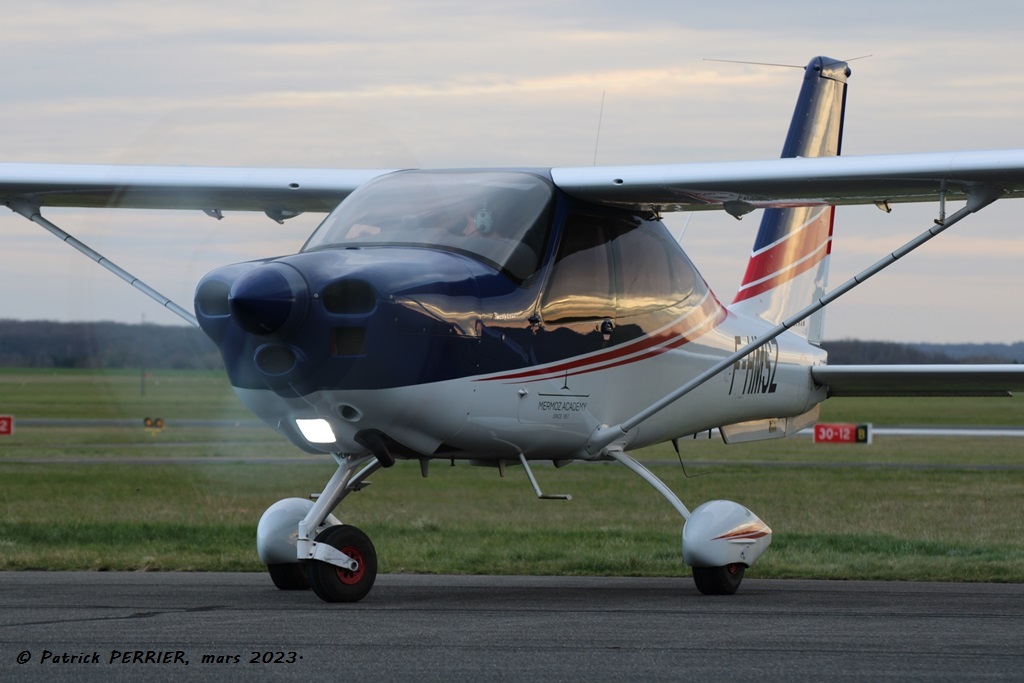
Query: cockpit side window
column 580, row 287
column 654, row 273
column 499, row 217
column 618, row 268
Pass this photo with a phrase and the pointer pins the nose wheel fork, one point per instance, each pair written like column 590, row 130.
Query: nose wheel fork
column 341, row 562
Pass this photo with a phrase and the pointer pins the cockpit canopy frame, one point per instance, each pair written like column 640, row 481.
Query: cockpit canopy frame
column 502, row 218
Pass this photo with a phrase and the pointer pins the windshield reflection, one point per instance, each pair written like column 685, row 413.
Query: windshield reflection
column 499, row 217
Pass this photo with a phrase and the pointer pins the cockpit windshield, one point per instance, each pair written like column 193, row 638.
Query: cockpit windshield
column 499, row 217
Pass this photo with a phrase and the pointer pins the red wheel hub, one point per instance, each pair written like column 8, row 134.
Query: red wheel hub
column 347, row 576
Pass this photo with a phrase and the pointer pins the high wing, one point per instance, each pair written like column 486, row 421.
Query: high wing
column 920, row 380
column 798, row 182
column 670, row 187
column 736, row 187
column 739, row 187
column 180, row 187
column 280, row 193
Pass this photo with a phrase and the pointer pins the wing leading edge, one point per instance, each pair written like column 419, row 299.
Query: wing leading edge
column 673, row 187
column 798, row 181
column 920, row 380
column 180, row 187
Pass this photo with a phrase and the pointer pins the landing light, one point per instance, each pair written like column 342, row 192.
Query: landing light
column 316, row 430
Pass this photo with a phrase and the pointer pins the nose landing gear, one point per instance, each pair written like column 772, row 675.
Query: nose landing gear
column 305, row 546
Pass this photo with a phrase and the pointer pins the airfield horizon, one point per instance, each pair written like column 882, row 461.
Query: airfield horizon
column 903, row 508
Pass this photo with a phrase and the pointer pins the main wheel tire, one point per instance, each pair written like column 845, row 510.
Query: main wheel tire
column 334, row 584
column 718, row 580
column 289, row 577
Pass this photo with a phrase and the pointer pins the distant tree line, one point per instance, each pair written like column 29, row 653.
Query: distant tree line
column 47, row 344
column 857, row 352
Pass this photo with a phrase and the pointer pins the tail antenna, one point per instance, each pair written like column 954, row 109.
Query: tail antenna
column 600, row 119
column 785, row 66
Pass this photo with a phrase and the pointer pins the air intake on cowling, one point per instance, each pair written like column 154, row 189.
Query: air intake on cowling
column 348, row 297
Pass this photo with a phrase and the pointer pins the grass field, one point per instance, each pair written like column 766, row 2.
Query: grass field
column 930, row 510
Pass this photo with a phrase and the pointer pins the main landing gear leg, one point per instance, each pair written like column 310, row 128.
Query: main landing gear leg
column 720, row 538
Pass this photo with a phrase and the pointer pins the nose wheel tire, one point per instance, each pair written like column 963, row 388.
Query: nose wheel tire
column 718, row 580
column 334, row 584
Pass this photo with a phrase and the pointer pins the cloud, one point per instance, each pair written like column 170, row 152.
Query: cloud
column 456, row 83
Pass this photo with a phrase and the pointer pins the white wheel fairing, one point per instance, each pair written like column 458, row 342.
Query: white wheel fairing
column 278, row 530
column 721, row 532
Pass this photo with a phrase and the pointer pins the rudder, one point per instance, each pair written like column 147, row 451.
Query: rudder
column 788, row 267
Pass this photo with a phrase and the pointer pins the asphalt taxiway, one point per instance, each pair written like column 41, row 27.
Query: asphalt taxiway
column 175, row 626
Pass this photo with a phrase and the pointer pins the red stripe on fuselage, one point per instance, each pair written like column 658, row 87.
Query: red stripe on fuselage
column 701, row 320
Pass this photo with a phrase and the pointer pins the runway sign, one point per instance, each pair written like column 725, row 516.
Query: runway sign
column 6, row 425
column 825, row 432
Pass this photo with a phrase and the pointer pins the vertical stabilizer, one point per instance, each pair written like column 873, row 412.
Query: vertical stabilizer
column 788, row 268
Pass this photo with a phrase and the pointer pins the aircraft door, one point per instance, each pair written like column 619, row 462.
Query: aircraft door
column 579, row 300
column 615, row 279
column 656, row 284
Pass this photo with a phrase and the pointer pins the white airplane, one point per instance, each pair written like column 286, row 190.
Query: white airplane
column 506, row 316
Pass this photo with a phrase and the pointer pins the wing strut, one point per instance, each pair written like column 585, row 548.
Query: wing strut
column 977, row 199
column 31, row 212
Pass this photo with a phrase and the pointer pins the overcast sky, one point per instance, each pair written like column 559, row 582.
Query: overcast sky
column 421, row 84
